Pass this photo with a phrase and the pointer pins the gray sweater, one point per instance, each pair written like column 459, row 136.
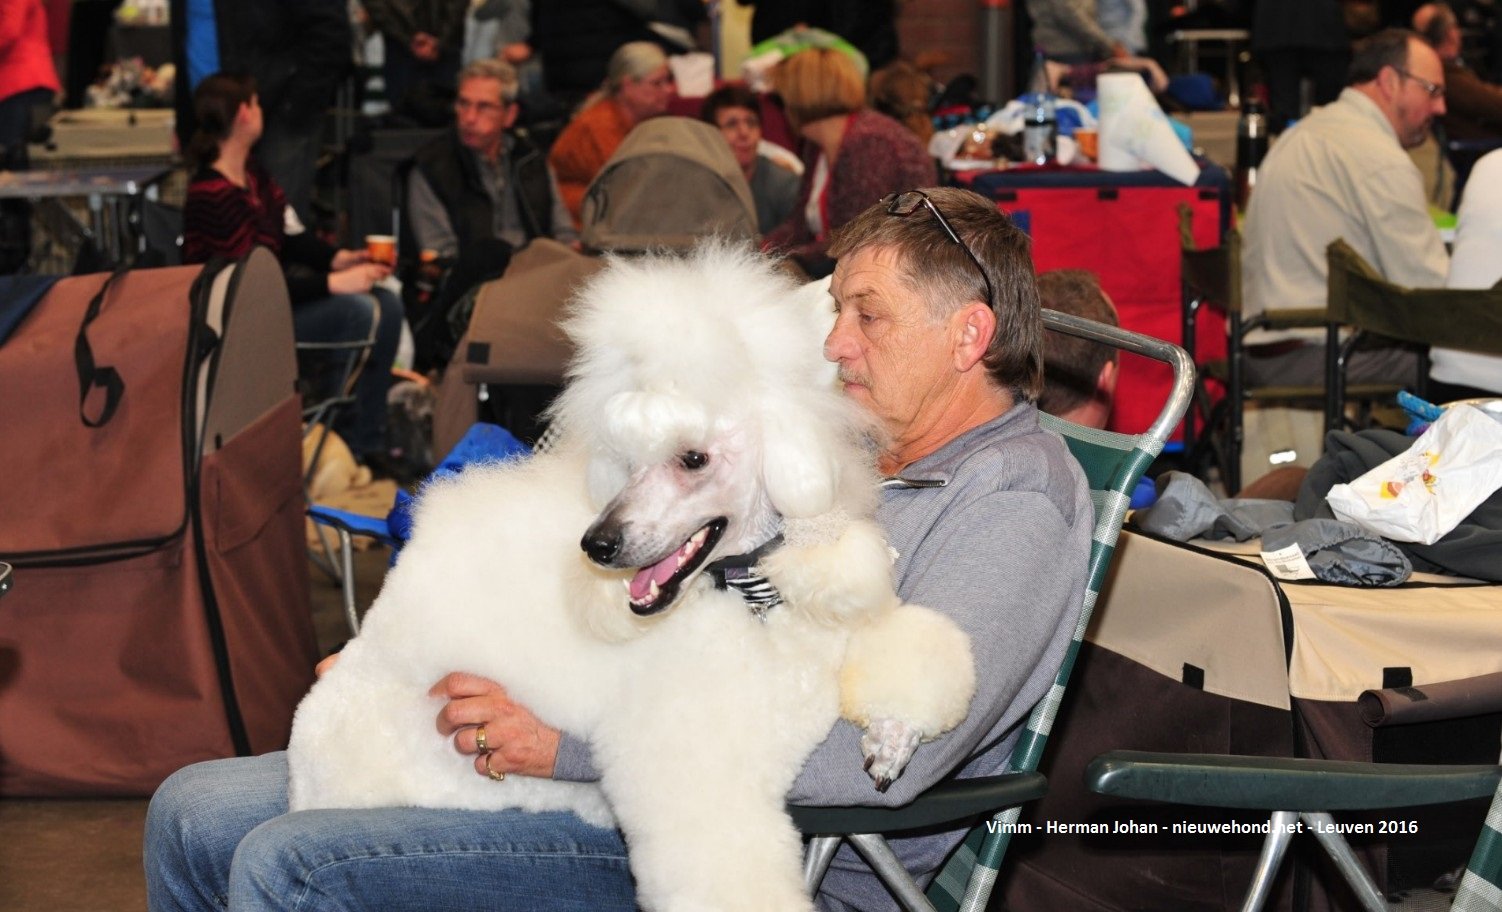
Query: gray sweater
column 1002, row 548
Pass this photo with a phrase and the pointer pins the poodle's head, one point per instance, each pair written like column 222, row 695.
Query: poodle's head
column 700, row 393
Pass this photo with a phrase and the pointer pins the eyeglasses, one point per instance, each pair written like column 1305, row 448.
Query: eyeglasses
column 461, row 105
column 1434, row 89
column 906, row 203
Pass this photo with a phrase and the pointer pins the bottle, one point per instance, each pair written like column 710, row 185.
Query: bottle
column 1251, row 146
column 1040, row 128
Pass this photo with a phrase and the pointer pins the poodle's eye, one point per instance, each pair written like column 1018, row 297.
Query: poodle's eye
column 693, row 459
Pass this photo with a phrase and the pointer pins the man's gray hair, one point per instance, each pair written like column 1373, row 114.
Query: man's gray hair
column 499, row 70
column 632, row 60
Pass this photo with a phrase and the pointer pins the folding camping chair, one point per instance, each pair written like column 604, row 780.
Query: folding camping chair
column 1300, row 790
column 1113, row 464
column 1359, row 298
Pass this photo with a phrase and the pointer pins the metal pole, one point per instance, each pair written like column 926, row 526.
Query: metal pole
column 998, row 22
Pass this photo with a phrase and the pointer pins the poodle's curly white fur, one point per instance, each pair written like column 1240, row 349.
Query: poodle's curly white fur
column 700, row 420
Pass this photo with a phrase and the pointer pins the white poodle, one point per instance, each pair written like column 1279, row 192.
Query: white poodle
column 700, row 422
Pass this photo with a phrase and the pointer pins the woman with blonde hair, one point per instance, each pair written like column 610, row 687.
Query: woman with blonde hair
column 637, row 86
column 853, row 155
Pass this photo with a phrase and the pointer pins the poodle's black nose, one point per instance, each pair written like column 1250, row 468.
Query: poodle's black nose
column 602, row 545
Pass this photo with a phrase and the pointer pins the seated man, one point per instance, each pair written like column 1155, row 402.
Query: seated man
column 1079, row 376
column 1473, row 106
column 475, row 194
column 990, row 517
column 1342, row 173
column 484, row 179
column 735, row 111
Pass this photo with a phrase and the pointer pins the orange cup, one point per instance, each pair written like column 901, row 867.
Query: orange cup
column 1089, row 143
column 382, row 248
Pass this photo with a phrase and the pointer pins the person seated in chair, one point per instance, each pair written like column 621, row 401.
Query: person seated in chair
column 484, row 179
column 476, row 194
column 939, row 336
column 1079, row 376
column 233, row 205
column 734, row 110
column 1342, row 172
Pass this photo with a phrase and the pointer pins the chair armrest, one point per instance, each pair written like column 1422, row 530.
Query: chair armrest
column 1298, row 318
column 353, row 523
column 1284, row 783
column 952, row 801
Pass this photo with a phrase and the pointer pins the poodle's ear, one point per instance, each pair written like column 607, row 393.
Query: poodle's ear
column 801, row 469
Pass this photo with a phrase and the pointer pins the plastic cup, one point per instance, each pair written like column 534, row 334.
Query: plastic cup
column 382, row 248
column 1089, row 143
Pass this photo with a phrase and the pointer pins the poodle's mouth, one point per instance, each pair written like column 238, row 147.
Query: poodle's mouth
column 655, row 587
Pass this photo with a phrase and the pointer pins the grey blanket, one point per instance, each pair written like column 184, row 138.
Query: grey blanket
column 1336, row 552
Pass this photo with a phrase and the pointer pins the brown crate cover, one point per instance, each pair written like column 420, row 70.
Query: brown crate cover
column 160, row 614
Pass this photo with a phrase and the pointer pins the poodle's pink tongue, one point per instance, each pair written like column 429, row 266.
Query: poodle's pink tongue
column 661, row 572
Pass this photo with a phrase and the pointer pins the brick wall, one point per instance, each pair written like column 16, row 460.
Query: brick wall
column 951, row 27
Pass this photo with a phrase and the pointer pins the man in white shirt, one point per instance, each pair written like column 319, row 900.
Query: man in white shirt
column 1342, row 172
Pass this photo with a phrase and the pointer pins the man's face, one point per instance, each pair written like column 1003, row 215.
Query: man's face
column 894, row 359
column 482, row 114
column 741, row 128
column 1414, row 108
column 648, row 96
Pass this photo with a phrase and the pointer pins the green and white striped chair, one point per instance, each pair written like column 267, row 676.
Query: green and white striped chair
column 1295, row 790
column 1113, row 464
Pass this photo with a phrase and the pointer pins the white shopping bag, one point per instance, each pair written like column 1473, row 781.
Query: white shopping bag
column 1422, row 493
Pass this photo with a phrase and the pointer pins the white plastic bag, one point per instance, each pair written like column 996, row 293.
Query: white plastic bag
column 1423, row 493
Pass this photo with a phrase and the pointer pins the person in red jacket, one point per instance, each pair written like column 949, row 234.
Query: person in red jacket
column 27, row 78
column 853, row 154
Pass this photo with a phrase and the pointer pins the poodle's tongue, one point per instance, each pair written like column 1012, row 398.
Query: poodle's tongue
column 662, row 571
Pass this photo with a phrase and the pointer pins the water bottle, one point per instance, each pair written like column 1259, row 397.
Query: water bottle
column 1251, row 146
column 1040, row 128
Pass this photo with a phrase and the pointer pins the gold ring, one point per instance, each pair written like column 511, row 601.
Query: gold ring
column 495, row 775
column 481, row 746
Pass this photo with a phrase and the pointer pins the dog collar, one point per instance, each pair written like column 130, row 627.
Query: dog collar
column 740, row 573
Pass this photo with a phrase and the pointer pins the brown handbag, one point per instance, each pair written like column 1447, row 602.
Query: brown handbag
column 151, row 506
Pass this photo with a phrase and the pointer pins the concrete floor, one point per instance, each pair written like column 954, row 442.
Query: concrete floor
column 85, row 856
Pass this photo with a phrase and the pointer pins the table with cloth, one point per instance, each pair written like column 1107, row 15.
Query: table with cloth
column 1195, row 647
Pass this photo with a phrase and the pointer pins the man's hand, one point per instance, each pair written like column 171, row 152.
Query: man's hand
column 357, row 279
column 425, row 47
column 519, row 742
column 517, row 53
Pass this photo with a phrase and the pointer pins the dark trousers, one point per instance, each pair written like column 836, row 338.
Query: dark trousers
column 1285, row 68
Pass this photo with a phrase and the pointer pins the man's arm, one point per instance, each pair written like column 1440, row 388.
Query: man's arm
column 1406, row 244
column 393, row 19
column 1078, row 17
column 428, row 218
column 1470, row 97
column 1002, row 569
column 563, row 224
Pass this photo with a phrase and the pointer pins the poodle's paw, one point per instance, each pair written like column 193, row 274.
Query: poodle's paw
column 888, row 745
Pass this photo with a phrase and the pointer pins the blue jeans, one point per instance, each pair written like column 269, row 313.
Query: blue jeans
column 218, row 836
column 345, row 318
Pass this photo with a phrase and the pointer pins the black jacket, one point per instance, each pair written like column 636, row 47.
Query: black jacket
column 297, row 50
column 456, row 180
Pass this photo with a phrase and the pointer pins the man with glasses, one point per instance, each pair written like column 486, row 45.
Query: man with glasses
column 476, row 194
column 1342, row 172
column 484, row 180
column 937, row 333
